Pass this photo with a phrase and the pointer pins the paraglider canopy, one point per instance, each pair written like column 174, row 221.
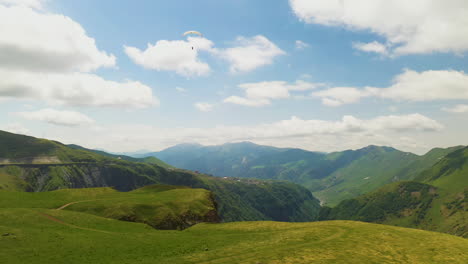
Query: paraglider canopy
column 193, row 32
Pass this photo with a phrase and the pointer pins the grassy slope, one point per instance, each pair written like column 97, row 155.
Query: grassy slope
column 51, row 236
column 449, row 212
column 151, row 160
column 163, row 207
column 237, row 199
column 424, row 162
column 440, row 203
column 370, row 171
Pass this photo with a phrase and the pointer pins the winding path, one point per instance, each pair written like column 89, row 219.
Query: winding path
column 72, row 203
column 52, row 218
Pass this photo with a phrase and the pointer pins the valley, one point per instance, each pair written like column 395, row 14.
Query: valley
column 99, row 207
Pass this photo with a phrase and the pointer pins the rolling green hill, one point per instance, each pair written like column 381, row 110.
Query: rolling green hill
column 61, row 236
column 331, row 177
column 30, row 164
column 160, row 206
column 437, row 202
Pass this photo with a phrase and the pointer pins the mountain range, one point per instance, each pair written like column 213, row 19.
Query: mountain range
column 37, row 165
column 332, row 177
column 251, row 182
column 88, row 206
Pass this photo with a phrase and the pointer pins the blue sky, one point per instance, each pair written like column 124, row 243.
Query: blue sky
column 372, row 73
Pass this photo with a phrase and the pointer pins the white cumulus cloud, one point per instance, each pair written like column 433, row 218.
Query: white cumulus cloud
column 176, row 55
column 56, row 117
column 409, row 27
column 246, row 101
column 409, row 86
column 37, row 41
column 261, row 93
column 461, row 108
column 301, row 45
column 374, row 46
column 204, row 107
column 16, row 128
column 37, row 4
column 79, row 89
column 250, row 53
column 181, row 90
column 313, row 134
column 341, row 95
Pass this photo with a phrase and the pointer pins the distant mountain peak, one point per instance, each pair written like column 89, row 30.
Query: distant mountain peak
column 379, row 148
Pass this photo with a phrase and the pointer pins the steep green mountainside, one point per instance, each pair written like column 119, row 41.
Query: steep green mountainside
column 160, row 206
column 331, row 177
column 62, row 236
column 26, row 149
column 149, row 159
column 238, row 199
column 439, row 202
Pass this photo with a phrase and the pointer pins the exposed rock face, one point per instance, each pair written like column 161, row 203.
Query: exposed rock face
column 188, row 219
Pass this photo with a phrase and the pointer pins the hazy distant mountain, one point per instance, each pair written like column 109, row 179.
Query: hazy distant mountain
column 332, row 177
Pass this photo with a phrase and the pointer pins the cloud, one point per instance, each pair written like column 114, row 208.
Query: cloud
column 374, row 46
column 341, row 95
column 181, row 90
column 45, row 56
column 16, row 128
column 37, row 4
column 247, row 54
column 250, row 53
column 176, row 55
column 301, row 45
column 318, row 135
column 409, row 86
column 77, row 89
column 45, row 42
column 409, row 27
column 261, row 93
column 305, row 76
column 56, row 117
column 246, row 101
column 204, row 107
column 428, row 86
column 461, row 108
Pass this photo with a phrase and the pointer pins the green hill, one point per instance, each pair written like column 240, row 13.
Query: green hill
column 31, row 164
column 438, row 202
column 160, row 206
column 61, row 236
column 331, row 177
column 152, row 160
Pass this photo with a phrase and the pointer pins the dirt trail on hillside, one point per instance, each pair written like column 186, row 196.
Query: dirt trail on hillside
column 70, row 225
column 68, row 204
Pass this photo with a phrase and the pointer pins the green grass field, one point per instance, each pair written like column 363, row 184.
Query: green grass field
column 60, row 236
column 160, row 206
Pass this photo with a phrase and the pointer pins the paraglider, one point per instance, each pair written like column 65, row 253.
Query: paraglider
column 193, row 32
